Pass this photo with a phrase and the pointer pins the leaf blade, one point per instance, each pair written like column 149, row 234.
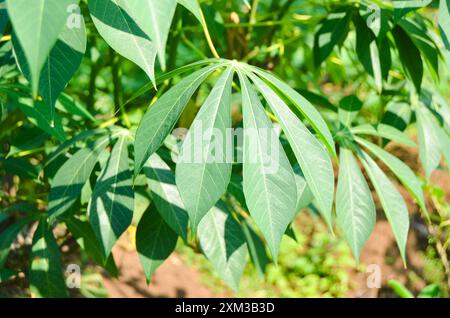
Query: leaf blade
column 165, row 194
column 211, row 172
column 155, row 241
column 223, row 243
column 277, row 190
column 393, row 203
column 355, row 208
column 112, row 202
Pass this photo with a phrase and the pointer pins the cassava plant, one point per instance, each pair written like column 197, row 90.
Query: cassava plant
column 280, row 100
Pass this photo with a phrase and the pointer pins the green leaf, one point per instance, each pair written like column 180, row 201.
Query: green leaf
column 46, row 277
column 41, row 115
column 85, row 237
column 155, row 241
column 303, row 105
column 397, row 115
column 235, row 188
column 403, row 7
column 271, row 195
column 169, row 75
column 444, row 22
column 429, row 150
column 112, row 201
column 116, row 24
column 8, row 236
column 71, row 106
column 155, row 17
column 207, row 165
column 315, row 163
column 21, row 167
column 223, row 242
column 349, row 106
column 79, row 137
column 256, row 248
column 400, row 169
column 162, row 116
column 385, row 131
column 400, row 289
column 71, row 177
column 63, row 61
column 193, row 6
column 165, row 195
column 430, row 291
column 393, row 203
column 304, row 194
column 409, row 56
column 355, row 209
column 37, row 25
column 418, row 34
column 373, row 53
column 333, row 31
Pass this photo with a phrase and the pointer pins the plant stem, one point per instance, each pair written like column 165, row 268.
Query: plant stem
column 207, row 35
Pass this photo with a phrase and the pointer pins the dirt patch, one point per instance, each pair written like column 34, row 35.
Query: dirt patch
column 172, row 279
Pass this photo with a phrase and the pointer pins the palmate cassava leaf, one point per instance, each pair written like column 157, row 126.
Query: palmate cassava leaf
column 112, row 201
column 69, row 180
column 62, row 62
column 155, row 241
column 209, row 167
column 223, row 243
column 165, row 195
column 355, row 208
column 37, row 25
column 154, row 17
column 118, row 27
column 46, row 276
column 162, row 116
column 393, row 204
column 269, row 182
column 315, row 162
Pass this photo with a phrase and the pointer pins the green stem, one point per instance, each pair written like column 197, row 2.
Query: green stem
column 207, row 35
